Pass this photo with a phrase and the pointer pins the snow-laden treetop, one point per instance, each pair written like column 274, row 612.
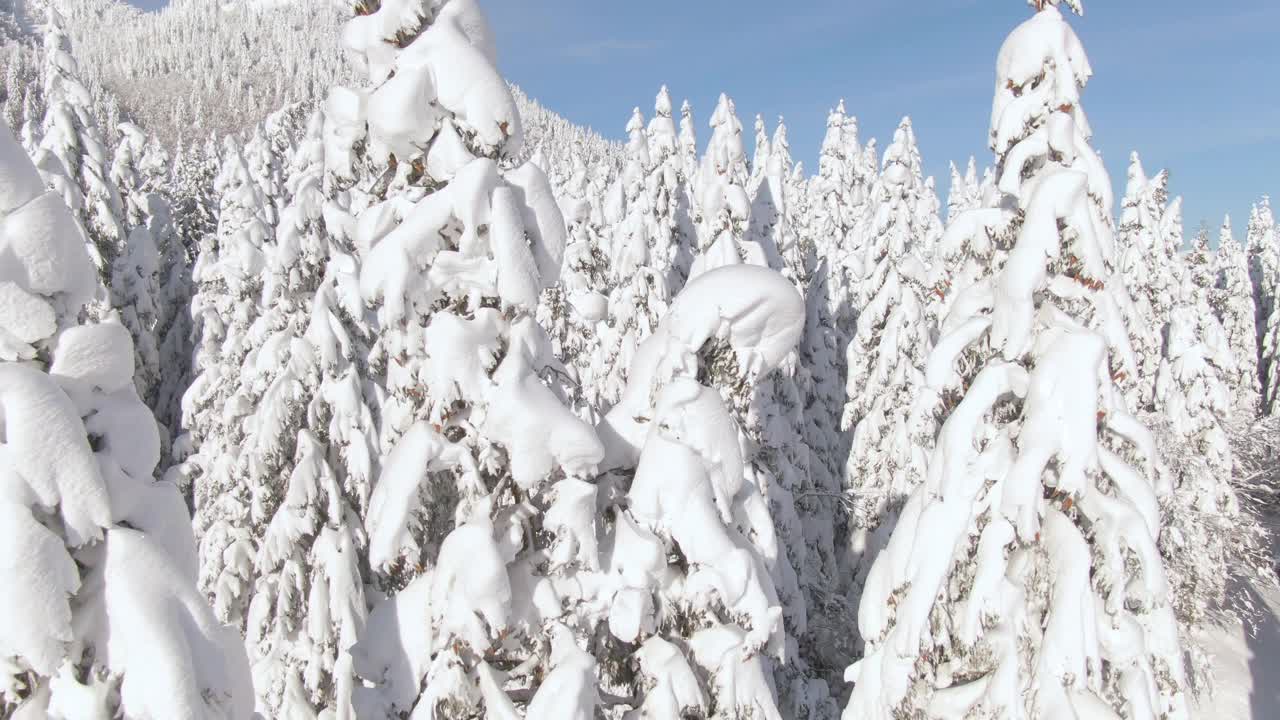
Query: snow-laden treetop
column 1076, row 6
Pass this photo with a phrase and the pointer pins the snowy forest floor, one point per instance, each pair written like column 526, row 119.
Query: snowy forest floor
column 1247, row 664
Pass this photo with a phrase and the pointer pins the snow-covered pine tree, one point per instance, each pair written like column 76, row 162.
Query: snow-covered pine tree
column 638, row 282
column 837, row 198
column 667, row 186
column 73, row 157
column 102, row 618
column 307, row 460
column 652, row 242
column 195, row 168
column 23, row 105
column 483, row 494
column 135, row 290
column 127, row 175
column 1234, row 305
column 695, row 557
column 762, row 151
column 1028, row 558
column 228, row 277
column 688, row 141
column 156, row 167
column 266, row 165
column 1201, row 262
column 631, row 238
column 572, row 310
column 886, row 357
column 1264, row 272
column 818, row 381
column 173, row 329
column 722, row 208
column 135, row 273
column 1210, row 543
column 769, row 414
column 897, row 194
column 795, row 244
column 965, row 193
column 929, row 213
column 1149, row 271
column 767, row 227
column 193, row 226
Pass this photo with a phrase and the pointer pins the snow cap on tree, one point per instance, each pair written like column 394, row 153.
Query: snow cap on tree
column 688, row 140
column 663, row 138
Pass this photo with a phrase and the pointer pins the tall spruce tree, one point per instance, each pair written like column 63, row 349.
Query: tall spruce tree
column 1264, row 272
column 483, row 468
column 1233, row 303
column 887, row 355
column 1028, row 558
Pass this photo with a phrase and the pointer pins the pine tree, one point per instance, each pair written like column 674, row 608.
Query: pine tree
column 195, row 168
column 483, row 469
column 72, row 156
column 701, row 493
column 228, row 277
column 965, row 193
column 721, row 206
column 1036, row 564
column 688, row 141
column 762, row 152
column 667, row 185
column 1234, row 305
column 307, row 459
column 638, row 284
column 1148, row 266
column 1201, row 261
column 795, row 243
column 266, row 167
column 127, row 175
column 887, row 354
column 1264, row 272
column 573, row 310
column 768, row 227
column 173, row 328
column 135, row 274
column 102, row 618
column 1210, row 543
column 770, row 418
column 837, row 200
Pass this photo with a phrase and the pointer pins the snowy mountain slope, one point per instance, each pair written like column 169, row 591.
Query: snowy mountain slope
column 199, row 67
column 193, row 69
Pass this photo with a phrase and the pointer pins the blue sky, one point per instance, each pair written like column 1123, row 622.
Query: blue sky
column 1190, row 85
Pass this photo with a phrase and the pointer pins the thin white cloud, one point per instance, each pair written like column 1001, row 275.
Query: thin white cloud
column 601, row 49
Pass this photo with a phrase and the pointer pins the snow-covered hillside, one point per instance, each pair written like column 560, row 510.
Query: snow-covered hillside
column 340, row 379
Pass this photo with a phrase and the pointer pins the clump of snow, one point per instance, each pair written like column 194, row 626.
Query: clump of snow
column 97, row 355
column 752, row 309
column 25, row 319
